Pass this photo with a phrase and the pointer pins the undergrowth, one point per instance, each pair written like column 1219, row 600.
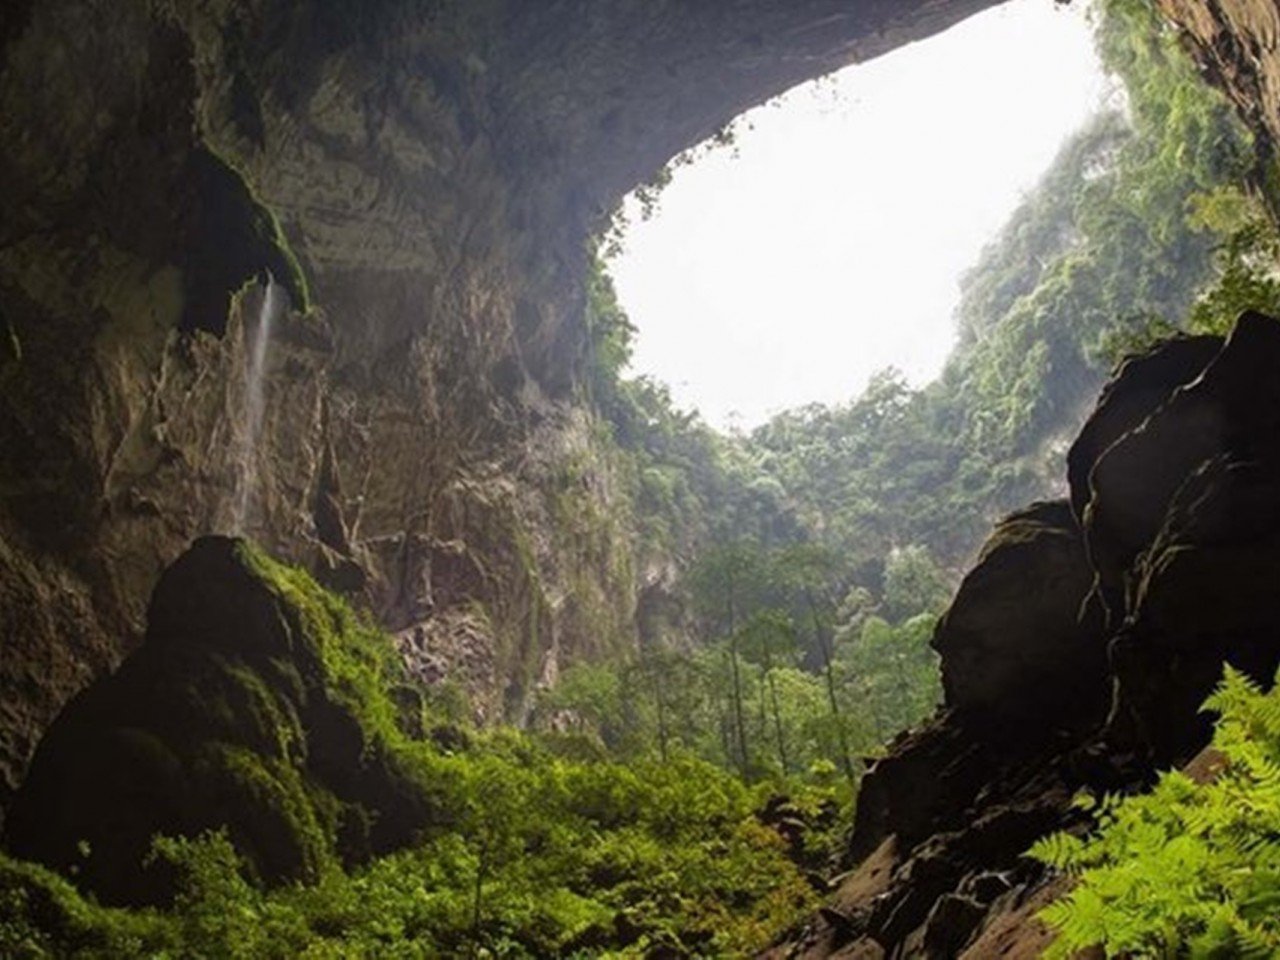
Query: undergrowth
column 534, row 851
column 1189, row 869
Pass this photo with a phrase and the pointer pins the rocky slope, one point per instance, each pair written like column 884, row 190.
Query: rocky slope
column 423, row 177
column 1076, row 655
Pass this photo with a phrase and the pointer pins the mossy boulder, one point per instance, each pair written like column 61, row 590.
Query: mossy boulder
column 258, row 704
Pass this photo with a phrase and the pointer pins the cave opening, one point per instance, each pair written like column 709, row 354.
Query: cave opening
column 822, row 237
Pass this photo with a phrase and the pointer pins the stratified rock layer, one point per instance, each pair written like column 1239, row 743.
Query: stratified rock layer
column 1077, row 653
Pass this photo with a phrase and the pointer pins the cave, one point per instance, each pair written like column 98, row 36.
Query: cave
column 424, row 181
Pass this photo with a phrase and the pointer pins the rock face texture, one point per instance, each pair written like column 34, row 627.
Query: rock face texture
column 1237, row 42
column 422, row 177
column 1076, row 655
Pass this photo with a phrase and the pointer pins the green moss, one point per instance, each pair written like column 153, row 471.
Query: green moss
column 42, row 915
column 233, row 237
column 360, row 665
column 1269, row 183
column 284, row 264
column 396, row 842
column 286, row 825
column 260, row 715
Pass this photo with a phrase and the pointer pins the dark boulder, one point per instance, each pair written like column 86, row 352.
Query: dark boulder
column 1204, row 594
column 1231, row 410
column 1022, row 654
column 921, row 786
column 1174, row 521
column 230, row 716
column 1141, row 385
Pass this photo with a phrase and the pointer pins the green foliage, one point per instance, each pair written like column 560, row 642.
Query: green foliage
column 550, row 858
column 531, row 850
column 1190, row 868
column 893, row 673
column 1247, row 279
column 781, row 685
column 611, row 333
column 360, row 666
column 43, row 916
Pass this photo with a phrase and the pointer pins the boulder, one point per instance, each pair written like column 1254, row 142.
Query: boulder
column 1021, row 651
column 1231, row 410
column 1142, row 385
column 231, row 716
column 1204, row 594
column 1176, row 481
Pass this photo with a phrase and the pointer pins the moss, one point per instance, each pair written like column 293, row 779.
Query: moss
column 523, row 650
column 285, row 825
column 1269, row 185
column 260, row 703
column 261, row 716
column 359, row 663
column 43, row 915
column 233, row 237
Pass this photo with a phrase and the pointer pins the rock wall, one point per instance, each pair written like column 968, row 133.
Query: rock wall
column 1076, row 655
column 1237, row 43
column 423, row 177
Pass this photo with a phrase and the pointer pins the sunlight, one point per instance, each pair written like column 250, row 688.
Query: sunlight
column 828, row 242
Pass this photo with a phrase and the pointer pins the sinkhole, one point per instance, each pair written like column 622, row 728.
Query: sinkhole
column 826, row 242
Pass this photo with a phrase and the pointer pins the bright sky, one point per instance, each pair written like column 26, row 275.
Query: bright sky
column 829, row 247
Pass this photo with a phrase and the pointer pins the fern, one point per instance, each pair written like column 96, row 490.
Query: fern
column 1188, row 869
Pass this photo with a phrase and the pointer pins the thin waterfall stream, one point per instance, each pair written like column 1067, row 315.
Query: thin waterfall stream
column 255, row 374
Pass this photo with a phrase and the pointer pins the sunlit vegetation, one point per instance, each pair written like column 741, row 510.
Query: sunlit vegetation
column 1190, row 869
column 1151, row 219
column 817, row 551
column 536, row 846
column 784, row 681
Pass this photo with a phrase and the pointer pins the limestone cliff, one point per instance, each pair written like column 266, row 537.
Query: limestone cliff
column 1237, row 43
column 422, row 177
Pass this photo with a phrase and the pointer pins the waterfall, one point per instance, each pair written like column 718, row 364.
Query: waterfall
column 255, row 375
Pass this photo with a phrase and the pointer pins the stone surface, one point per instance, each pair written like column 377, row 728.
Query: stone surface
column 1186, row 508
column 1176, row 479
column 1019, row 645
column 425, row 178
column 1237, row 43
column 1141, row 385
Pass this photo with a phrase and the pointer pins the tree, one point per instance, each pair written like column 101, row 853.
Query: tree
column 726, row 586
column 768, row 638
